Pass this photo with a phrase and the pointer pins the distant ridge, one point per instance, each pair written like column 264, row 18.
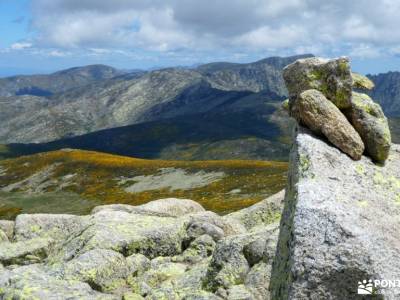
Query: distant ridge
column 61, row 81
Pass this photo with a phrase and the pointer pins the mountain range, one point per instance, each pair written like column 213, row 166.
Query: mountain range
column 213, row 111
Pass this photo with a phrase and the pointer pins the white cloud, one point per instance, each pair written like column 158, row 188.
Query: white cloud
column 57, row 53
column 360, row 27
column 365, row 51
column 267, row 37
column 21, row 46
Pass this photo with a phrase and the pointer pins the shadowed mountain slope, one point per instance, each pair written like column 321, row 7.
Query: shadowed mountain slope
column 131, row 99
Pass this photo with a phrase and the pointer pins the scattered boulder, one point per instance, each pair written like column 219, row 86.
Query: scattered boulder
column 229, row 226
column 361, row 82
column 196, row 229
column 370, row 122
column 323, row 117
column 173, row 206
column 330, row 77
column 114, row 207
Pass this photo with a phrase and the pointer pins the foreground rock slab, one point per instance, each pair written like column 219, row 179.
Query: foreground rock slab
column 339, row 225
column 165, row 249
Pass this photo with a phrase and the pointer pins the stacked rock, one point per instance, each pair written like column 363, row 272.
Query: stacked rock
column 321, row 97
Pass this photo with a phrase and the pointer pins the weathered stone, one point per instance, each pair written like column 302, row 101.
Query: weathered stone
column 339, row 225
column 258, row 279
column 229, row 265
column 103, row 270
column 32, row 282
column 8, row 228
column 173, row 206
column 370, row 122
column 254, row 251
column 3, row 237
column 114, row 207
column 186, row 284
column 262, row 213
column 129, row 233
column 239, row 292
column 229, row 226
column 322, row 117
column 27, row 252
column 196, row 229
column 137, row 264
column 330, row 77
column 156, row 276
column 107, row 255
column 201, row 295
column 56, row 227
column 202, row 247
column 362, row 82
column 270, row 243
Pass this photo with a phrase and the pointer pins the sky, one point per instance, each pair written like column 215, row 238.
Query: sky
column 42, row 36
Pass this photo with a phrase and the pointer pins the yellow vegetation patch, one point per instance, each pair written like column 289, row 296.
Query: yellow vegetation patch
column 96, row 176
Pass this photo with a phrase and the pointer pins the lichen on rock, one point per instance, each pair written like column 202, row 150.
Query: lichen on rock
column 362, row 82
column 338, row 226
column 313, row 81
column 331, row 77
column 323, row 117
column 169, row 249
column 370, row 122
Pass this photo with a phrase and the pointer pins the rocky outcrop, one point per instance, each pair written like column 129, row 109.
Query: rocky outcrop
column 165, row 249
column 339, row 224
column 321, row 97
